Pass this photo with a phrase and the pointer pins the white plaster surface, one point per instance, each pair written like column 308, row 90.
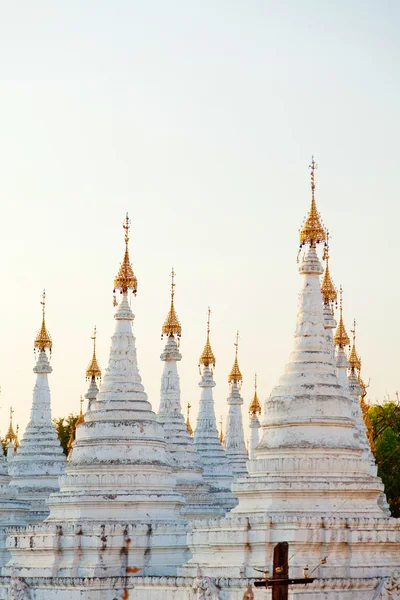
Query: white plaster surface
column 234, row 443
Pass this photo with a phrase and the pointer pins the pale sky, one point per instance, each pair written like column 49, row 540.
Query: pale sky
column 199, row 119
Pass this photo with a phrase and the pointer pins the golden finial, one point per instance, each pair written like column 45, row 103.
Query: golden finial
column 81, row 418
column 188, row 425
column 312, row 231
column 16, row 436
column 235, row 374
column 341, row 338
column 207, row 357
column 354, row 359
column 221, row 433
column 126, row 279
column 255, row 406
column 171, row 325
column 43, row 339
column 11, row 435
column 93, row 371
column 328, row 290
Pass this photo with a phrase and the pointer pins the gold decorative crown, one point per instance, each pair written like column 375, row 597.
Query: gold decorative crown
column 354, row 359
column 126, row 279
column 255, row 406
column 171, row 325
column 207, row 357
column 93, row 370
column 328, row 290
column 43, row 339
column 235, row 374
column 312, row 231
column 188, row 425
column 341, row 338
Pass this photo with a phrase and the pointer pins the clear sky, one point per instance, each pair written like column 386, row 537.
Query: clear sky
column 200, row 119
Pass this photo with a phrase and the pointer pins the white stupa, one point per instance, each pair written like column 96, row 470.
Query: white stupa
column 310, row 485
column 36, row 467
column 217, row 468
column 254, row 425
column 234, row 443
column 200, row 502
column 93, row 374
column 117, row 512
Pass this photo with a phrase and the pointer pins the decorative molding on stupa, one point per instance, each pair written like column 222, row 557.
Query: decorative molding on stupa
column 217, row 468
column 200, row 503
column 234, row 443
column 118, row 499
column 36, row 467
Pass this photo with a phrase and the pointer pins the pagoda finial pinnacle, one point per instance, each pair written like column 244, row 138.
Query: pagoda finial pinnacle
column 93, row 371
column 235, row 374
column 43, row 339
column 81, row 418
column 207, row 357
column 126, row 279
column 188, row 425
column 221, row 433
column 312, row 231
column 328, row 290
column 354, row 359
column 172, row 325
column 255, row 406
column 11, row 436
column 341, row 338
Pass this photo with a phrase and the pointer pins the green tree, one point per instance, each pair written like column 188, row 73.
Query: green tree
column 385, row 419
column 65, row 426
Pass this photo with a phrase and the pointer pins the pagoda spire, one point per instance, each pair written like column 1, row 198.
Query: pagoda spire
column 312, row 232
column 43, row 339
column 178, row 433
column 217, row 468
column 254, row 411
column 341, row 340
column 40, row 460
column 188, row 425
column 329, row 296
column 93, row 374
column 126, row 278
column 354, row 359
column 172, row 325
column 234, row 442
column 221, row 430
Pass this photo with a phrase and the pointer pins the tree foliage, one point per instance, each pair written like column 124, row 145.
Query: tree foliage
column 385, row 419
column 65, row 426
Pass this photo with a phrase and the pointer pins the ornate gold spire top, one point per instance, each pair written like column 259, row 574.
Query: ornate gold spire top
column 81, row 418
column 255, row 406
column 171, row 325
column 312, row 231
column 93, row 371
column 43, row 339
column 188, row 425
column 126, row 279
column 235, row 374
column 354, row 359
column 328, row 290
column 341, row 338
column 207, row 357
column 221, row 433
column 11, row 436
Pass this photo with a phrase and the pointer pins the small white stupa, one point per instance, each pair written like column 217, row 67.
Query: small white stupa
column 36, row 467
column 217, row 469
column 93, row 374
column 200, row 502
column 254, row 425
column 234, row 443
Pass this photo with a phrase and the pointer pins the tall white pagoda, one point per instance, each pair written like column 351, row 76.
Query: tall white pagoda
column 118, row 511
column 234, row 443
column 200, row 501
column 93, row 374
column 36, row 467
column 217, row 468
column 254, row 425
